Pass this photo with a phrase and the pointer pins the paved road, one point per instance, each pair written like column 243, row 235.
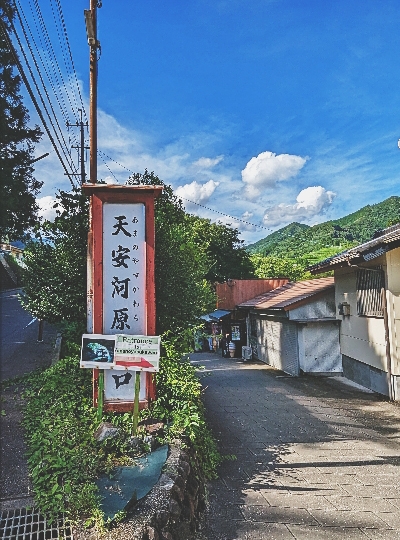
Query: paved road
column 316, row 458
column 20, row 353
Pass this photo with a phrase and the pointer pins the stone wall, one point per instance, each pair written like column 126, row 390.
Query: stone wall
column 172, row 509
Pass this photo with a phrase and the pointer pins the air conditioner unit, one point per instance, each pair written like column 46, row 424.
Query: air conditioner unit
column 247, row 353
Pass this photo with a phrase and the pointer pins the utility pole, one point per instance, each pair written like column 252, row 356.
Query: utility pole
column 94, row 44
column 82, row 146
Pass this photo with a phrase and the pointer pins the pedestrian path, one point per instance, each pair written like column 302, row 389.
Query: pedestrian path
column 315, row 458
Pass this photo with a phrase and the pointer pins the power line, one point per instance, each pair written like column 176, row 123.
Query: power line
column 34, row 100
column 63, row 143
column 187, row 200
column 99, row 152
column 47, row 50
column 120, row 164
column 70, row 55
column 57, row 24
column 226, row 215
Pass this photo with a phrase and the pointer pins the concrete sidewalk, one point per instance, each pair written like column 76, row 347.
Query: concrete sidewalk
column 315, row 458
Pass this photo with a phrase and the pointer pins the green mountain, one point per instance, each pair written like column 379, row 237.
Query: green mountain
column 312, row 244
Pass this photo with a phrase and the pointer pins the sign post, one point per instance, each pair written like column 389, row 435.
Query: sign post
column 122, row 289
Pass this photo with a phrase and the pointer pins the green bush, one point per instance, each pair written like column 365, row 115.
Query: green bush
column 179, row 402
column 64, row 458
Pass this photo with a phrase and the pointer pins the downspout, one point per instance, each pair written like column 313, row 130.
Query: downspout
column 392, row 396
column 248, row 328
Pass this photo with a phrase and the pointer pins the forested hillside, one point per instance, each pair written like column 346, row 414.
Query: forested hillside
column 296, row 239
column 297, row 246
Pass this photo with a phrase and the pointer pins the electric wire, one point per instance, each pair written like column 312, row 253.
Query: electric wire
column 59, row 82
column 67, row 156
column 33, row 97
column 188, row 200
column 62, row 47
column 103, row 160
column 63, row 86
column 63, row 143
column 71, row 58
column 46, row 48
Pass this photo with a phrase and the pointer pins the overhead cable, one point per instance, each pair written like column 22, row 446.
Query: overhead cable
column 187, row 200
column 33, row 97
column 63, row 143
column 64, row 26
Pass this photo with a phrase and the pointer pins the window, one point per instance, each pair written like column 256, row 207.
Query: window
column 370, row 283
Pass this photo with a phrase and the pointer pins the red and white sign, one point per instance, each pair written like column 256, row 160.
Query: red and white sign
column 121, row 281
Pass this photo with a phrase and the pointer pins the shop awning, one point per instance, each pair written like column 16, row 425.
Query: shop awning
column 216, row 315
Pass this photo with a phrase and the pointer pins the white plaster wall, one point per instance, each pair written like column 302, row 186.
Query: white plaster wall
column 361, row 338
column 319, row 309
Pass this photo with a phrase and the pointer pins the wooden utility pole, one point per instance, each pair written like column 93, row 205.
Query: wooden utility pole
column 94, row 44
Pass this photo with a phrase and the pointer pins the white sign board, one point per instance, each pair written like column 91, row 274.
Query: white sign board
column 121, row 352
column 137, row 352
column 120, row 385
column 124, row 268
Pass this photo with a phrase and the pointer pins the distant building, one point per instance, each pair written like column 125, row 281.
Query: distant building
column 16, row 251
column 294, row 327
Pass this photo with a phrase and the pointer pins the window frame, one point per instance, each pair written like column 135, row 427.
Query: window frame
column 370, row 282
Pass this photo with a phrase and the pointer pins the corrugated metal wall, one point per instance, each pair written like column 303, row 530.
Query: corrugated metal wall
column 278, row 345
column 319, row 348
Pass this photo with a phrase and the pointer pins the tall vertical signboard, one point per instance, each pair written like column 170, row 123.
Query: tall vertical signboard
column 122, row 284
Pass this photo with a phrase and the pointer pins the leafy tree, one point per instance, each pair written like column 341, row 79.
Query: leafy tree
column 18, row 209
column 55, row 277
column 182, row 292
column 55, row 281
column 224, row 251
column 274, row 266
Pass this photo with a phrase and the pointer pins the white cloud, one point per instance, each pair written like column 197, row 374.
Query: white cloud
column 310, row 202
column 46, row 210
column 109, row 180
column 207, row 163
column 198, row 193
column 262, row 172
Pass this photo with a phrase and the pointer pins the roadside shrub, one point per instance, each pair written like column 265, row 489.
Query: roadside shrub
column 64, row 458
column 179, row 403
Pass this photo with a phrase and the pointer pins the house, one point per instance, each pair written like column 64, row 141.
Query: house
column 367, row 299
column 294, row 327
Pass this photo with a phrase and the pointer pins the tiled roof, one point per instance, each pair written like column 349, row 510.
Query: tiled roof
column 288, row 296
column 387, row 240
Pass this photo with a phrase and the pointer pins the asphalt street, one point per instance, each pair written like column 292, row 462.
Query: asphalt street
column 21, row 353
column 309, row 457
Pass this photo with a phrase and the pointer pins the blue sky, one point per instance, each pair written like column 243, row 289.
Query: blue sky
column 269, row 111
